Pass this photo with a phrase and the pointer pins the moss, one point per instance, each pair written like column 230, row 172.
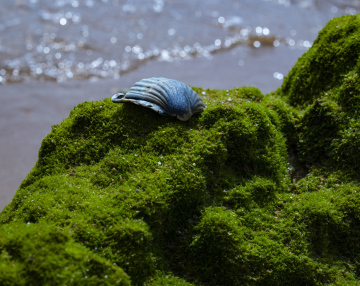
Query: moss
column 284, row 117
column 41, row 254
column 255, row 193
column 135, row 196
column 319, row 128
column 323, row 68
column 225, row 251
column 230, row 97
column 348, row 93
column 324, row 83
column 245, row 131
column 345, row 150
column 129, row 184
column 327, row 213
column 162, row 279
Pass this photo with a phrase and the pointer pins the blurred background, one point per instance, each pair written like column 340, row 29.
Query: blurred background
column 56, row 54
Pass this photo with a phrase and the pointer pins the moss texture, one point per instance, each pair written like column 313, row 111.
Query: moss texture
column 256, row 190
column 324, row 83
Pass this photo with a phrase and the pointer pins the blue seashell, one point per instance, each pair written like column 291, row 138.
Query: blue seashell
column 165, row 96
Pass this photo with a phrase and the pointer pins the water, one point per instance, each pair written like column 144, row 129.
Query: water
column 211, row 43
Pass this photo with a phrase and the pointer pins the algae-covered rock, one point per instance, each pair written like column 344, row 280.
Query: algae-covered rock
column 329, row 68
column 324, row 82
column 121, row 194
column 42, row 254
column 129, row 185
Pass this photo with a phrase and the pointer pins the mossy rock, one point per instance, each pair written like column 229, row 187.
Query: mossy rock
column 42, row 254
column 329, row 67
column 165, row 279
column 324, row 85
column 130, row 185
column 318, row 129
column 140, row 198
column 227, row 252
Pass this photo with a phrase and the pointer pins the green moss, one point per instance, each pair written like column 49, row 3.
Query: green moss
column 324, row 82
column 42, row 254
column 167, row 279
column 129, row 184
column 346, row 149
column 255, row 193
column 132, row 195
column 348, row 93
column 284, row 117
column 319, row 129
column 329, row 217
column 323, row 68
column 225, row 251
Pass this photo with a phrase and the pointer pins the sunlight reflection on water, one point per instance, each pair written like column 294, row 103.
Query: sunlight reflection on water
column 70, row 39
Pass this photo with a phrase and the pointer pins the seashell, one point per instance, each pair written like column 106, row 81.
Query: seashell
column 165, row 96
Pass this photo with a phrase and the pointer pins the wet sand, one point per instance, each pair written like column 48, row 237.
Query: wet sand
column 28, row 110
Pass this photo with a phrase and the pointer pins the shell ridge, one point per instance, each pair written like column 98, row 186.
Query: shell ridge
column 162, row 92
column 145, row 86
column 145, row 91
column 197, row 104
column 139, row 95
column 190, row 94
column 168, row 89
column 146, row 104
column 177, row 88
column 181, row 102
column 198, row 107
column 154, row 89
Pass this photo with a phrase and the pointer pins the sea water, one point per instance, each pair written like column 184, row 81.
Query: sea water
column 216, row 43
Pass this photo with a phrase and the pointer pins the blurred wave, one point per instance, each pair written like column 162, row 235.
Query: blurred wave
column 72, row 39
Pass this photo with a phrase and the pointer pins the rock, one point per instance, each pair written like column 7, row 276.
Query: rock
column 210, row 201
